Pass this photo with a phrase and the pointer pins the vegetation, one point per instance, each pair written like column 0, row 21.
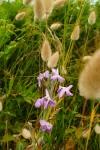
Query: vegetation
column 20, row 65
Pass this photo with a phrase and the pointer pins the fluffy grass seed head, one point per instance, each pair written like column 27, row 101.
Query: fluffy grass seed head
column 76, row 33
column 63, row 71
column 27, row 2
column 55, row 26
column 89, row 79
column 86, row 133
column 1, row 106
column 20, row 16
column 86, row 58
column 48, row 4
column 53, row 60
column 97, row 129
column 39, row 9
column 26, row 133
column 46, row 50
column 58, row 3
column 92, row 18
column 1, row 1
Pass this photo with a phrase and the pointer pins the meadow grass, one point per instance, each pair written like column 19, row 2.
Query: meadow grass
column 21, row 63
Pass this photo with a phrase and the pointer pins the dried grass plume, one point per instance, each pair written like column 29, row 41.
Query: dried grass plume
column 92, row 18
column 58, row 3
column 1, row 1
column 27, row 2
column 76, row 33
column 20, row 16
column 48, row 6
column 53, row 60
column 89, row 79
column 55, row 26
column 1, row 106
column 46, row 50
column 39, row 9
column 97, row 129
column 26, row 133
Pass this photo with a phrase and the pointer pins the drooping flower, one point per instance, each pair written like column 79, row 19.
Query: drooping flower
column 41, row 76
column 76, row 33
column 53, row 60
column 92, row 18
column 97, row 129
column 20, row 16
column 56, row 76
column 45, row 101
column 64, row 90
column 46, row 126
column 89, row 79
column 26, row 133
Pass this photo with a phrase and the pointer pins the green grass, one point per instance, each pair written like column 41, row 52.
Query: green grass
column 21, row 63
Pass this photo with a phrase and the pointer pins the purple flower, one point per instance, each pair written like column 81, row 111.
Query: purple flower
column 41, row 76
column 64, row 90
column 45, row 126
column 45, row 101
column 57, row 76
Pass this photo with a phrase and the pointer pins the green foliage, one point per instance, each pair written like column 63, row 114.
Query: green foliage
column 20, row 65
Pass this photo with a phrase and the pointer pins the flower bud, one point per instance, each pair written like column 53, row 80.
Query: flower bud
column 53, row 60
column 92, row 18
column 75, row 34
column 20, row 16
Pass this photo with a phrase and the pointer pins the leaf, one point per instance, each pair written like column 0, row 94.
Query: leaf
column 19, row 146
column 7, row 138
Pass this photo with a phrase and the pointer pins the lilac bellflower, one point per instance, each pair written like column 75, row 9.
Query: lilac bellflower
column 41, row 76
column 56, row 76
column 45, row 101
column 45, row 126
column 64, row 90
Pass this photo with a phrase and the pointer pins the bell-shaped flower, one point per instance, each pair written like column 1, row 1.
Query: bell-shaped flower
column 41, row 76
column 64, row 90
column 45, row 101
column 56, row 76
column 45, row 126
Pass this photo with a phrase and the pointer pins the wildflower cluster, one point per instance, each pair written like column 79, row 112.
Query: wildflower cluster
column 47, row 101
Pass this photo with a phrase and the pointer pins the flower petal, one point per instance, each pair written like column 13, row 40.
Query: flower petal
column 61, row 79
column 53, row 78
column 52, row 103
column 38, row 103
column 46, row 74
column 55, row 71
column 42, row 122
column 61, row 93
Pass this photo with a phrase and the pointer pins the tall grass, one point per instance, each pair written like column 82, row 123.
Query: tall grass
column 20, row 64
